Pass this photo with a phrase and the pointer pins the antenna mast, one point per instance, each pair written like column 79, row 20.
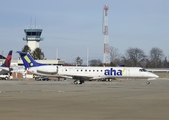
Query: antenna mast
column 106, row 56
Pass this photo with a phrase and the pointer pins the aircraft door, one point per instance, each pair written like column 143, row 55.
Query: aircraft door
column 56, row 69
column 127, row 72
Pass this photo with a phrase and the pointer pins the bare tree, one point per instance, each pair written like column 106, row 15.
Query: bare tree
column 78, row 61
column 114, row 55
column 95, row 62
column 156, row 57
column 165, row 63
column 134, row 57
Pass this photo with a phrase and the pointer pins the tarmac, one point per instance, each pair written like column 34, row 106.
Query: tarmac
column 93, row 100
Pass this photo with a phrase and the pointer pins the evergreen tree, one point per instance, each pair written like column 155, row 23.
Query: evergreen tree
column 37, row 54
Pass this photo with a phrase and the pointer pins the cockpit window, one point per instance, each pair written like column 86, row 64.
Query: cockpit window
column 142, row 70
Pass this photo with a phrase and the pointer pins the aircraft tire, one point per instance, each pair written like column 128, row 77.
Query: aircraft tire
column 148, row 82
column 81, row 81
column 77, row 82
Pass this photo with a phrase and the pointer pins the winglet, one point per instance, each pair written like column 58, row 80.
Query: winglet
column 28, row 60
column 7, row 62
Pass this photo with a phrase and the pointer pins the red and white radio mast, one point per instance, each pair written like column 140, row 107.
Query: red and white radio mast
column 106, row 56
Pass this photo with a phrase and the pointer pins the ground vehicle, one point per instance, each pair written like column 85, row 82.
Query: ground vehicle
column 41, row 78
column 4, row 77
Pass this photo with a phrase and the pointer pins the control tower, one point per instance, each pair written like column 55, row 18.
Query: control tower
column 33, row 37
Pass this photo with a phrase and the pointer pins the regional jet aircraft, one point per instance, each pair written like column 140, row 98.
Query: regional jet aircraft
column 5, row 67
column 80, row 74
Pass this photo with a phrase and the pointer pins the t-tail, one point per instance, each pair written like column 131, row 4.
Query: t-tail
column 28, row 60
column 7, row 62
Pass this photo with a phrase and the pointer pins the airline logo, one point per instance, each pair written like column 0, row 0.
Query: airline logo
column 113, row 72
column 28, row 60
column 8, row 61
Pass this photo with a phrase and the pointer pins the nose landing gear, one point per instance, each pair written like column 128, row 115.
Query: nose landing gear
column 148, row 82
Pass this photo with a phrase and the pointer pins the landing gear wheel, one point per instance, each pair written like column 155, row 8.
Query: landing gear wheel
column 81, row 81
column 77, row 82
column 148, row 82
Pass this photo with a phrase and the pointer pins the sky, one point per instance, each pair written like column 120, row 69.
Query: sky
column 73, row 28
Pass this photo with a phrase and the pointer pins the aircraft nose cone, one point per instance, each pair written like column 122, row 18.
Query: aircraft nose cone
column 156, row 76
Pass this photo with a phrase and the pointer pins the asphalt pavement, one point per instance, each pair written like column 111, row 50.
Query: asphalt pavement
column 62, row 100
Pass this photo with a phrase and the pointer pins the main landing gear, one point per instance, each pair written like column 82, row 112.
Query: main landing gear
column 78, row 82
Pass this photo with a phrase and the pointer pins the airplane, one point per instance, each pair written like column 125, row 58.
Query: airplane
column 5, row 67
column 80, row 74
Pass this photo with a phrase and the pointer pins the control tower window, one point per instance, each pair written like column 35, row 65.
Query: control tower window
column 33, row 33
column 28, row 33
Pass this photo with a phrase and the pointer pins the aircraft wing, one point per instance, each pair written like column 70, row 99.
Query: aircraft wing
column 86, row 77
column 4, row 70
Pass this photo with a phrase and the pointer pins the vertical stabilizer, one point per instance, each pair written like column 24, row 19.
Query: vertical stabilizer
column 7, row 62
column 28, row 60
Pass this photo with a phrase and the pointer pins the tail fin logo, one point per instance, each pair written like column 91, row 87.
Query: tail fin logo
column 8, row 60
column 28, row 60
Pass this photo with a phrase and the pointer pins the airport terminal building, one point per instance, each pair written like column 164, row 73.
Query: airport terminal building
column 20, row 72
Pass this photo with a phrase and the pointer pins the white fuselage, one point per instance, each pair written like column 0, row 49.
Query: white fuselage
column 92, row 72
